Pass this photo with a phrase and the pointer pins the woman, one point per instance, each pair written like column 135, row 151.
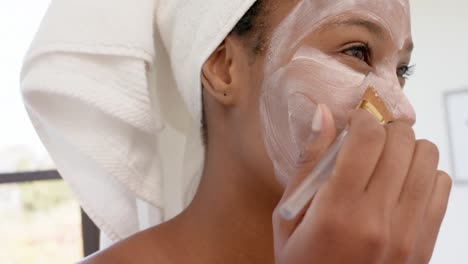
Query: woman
column 385, row 200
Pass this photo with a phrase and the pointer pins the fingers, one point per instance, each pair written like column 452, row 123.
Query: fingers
column 391, row 171
column 420, row 180
column 410, row 191
column 439, row 199
column 433, row 217
column 414, row 233
column 360, row 153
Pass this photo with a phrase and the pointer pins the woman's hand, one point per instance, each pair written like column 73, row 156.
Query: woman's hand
column 384, row 204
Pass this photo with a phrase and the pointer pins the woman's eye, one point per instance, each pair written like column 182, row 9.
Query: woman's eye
column 405, row 71
column 361, row 52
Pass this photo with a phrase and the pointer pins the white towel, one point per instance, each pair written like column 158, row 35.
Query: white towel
column 113, row 90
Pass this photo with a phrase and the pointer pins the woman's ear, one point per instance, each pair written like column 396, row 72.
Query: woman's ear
column 219, row 73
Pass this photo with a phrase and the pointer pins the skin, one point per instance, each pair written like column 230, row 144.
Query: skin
column 384, row 203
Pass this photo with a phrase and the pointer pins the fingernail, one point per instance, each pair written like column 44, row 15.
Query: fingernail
column 317, row 119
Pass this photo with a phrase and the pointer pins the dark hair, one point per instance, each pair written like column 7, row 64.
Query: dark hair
column 246, row 23
column 250, row 27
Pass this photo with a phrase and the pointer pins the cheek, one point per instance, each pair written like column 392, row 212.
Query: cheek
column 324, row 83
column 289, row 100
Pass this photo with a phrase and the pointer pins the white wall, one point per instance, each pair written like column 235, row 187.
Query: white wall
column 440, row 31
column 19, row 20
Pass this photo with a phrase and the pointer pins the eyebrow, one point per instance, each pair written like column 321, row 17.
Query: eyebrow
column 369, row 25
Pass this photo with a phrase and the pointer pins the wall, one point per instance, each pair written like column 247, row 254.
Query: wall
column 440, row 32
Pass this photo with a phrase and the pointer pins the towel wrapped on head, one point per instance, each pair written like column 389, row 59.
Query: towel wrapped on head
column 113, row 89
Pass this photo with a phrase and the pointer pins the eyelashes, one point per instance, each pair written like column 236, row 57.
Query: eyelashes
column 360, row 51
column 406, row 71
column 363, row 52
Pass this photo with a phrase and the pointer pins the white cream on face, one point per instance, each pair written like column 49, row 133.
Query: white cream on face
column 300, row 76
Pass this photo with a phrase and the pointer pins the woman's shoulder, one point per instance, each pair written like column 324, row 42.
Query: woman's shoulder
column 141, row 248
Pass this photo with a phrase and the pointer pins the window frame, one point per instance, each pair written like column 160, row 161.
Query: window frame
column 90, row 232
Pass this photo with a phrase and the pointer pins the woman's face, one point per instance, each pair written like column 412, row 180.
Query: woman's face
column 327, row 52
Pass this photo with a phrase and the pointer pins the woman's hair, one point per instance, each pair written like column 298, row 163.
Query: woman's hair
column 251, row 28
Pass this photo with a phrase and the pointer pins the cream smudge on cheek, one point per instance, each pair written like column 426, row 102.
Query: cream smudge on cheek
column 326, row 81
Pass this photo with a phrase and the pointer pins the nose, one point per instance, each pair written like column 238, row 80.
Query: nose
column 404, row 111
column 389, row 89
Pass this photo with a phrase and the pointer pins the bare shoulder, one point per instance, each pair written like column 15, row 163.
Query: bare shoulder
column 141, row 248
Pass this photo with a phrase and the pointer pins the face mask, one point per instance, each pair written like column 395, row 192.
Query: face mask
column 298, row 75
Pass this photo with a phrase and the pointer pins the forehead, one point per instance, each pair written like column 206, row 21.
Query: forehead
column 305, row 16
column 392, row 15
column 321, row 8
column 376, row 5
